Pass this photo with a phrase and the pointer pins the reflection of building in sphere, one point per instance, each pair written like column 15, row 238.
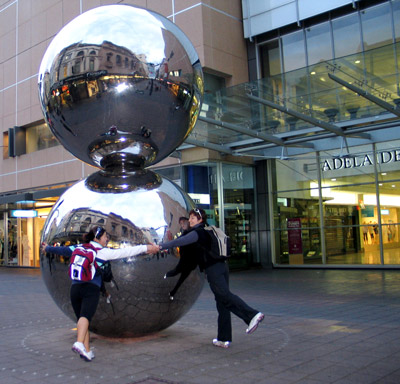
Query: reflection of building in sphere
column 81, row 220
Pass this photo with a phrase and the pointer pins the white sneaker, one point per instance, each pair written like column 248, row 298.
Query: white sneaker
column 257, row 319
column 91, row 354
column 81, row 350
column 222, row 344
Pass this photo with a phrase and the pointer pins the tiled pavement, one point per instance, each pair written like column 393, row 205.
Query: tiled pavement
column 321, row 326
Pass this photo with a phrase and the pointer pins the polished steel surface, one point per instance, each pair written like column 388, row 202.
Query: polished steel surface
column 121, row 88
column 149, row 213
column 120, row 85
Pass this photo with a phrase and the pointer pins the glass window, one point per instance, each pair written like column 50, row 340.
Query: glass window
column 202, row 186
column 355, row 226
column 340, row 168
column 39, row 137
column 5, row 145
column 376, row 26
column 270, row 59
column 296, row 211
column 388, row 155
column 296, row 174
column 297, row 232
column 239, row 212
column 172, row 173
column 346, row 35
column 396, row 18
column 12, row 242
column 76, row 68
column 319, row 43
column 293, row 51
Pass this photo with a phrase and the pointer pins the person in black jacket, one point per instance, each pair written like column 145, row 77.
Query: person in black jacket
column 218, row 278
column 187, row 263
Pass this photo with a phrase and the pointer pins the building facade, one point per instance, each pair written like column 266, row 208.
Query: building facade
column 296, row 152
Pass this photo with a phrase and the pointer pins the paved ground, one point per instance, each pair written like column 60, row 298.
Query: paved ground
column 321, row 326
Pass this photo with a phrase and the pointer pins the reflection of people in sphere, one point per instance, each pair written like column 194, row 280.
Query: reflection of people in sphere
column 85, row 294
column 187, row 263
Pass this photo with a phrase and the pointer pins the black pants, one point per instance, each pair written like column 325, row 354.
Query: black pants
column 187, row 263
column 84, row 299
column 227, row 302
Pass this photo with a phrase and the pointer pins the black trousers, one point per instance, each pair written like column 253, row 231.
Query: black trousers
column 84, row 299
column 227, row 302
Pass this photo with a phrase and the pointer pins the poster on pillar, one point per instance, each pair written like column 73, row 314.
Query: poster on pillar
column 294, row 241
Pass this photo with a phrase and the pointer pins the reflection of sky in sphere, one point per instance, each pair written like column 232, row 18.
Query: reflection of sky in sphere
column 135, row 29
column 143, row 208
column 145, row 211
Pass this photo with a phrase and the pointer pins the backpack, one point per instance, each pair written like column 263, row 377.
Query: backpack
column 83, row 265
column 220, row 243
column 104, row 269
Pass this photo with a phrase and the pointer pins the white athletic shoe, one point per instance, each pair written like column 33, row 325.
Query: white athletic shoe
column 81, row 350
column 257, row 319
column 91, row 354
column 222, row 344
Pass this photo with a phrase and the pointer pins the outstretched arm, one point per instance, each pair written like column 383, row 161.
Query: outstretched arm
column 121, row 253
column 189, row 238
column 62, row 251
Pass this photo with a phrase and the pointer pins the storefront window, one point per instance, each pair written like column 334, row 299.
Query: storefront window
column 338, row 167
column 12, row 242
column 297, row 232
column 361, row 213
column 20, row 236
column 226, row 193
column 201, row 184
column 296, row 211
column 3, row 256
column 239, row 212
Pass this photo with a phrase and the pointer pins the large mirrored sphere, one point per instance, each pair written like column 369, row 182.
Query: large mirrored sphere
column 120, row 85
column 148, row 212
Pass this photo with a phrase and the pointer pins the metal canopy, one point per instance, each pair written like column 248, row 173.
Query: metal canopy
column 323, row 107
